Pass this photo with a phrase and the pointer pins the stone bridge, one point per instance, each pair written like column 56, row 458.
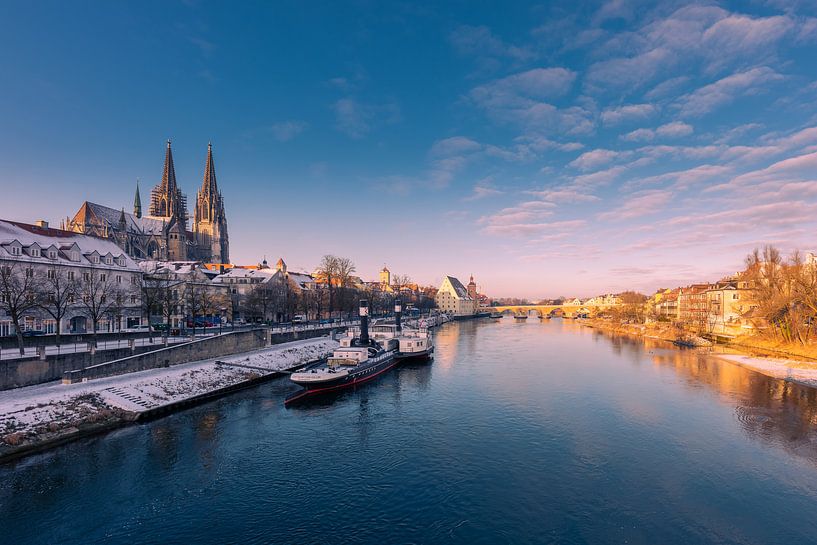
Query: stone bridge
column 551, row 310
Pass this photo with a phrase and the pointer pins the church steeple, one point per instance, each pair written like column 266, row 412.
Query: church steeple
column 166, row 199
column 209, row 185
column 209, row 219
column 137, row 202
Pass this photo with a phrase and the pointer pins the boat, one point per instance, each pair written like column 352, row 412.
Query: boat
column 358, row 359
column 520, row 316
column 496, row 315
column 412, row 343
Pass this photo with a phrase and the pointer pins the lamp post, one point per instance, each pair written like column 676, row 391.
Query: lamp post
column 398, row 309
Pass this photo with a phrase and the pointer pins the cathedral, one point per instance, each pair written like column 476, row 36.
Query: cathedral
column 162, row 234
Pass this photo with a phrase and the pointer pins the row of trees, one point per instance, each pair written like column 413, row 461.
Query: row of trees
column 784, row 294
column 95, row 294
column 336, row 292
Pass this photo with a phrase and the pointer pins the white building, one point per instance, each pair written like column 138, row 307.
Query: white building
column 452, row 298
column 89, row 278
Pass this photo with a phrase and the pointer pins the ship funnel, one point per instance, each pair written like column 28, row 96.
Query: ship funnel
column 398, row 309
column 364, row 322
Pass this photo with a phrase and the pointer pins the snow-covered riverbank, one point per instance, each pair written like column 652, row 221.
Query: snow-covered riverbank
column 46, row 412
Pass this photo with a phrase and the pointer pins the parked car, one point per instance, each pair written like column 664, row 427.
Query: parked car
column 299, row 319
column 33, row 333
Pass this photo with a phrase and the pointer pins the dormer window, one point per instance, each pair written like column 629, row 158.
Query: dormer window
column 95, row 259
column 108, row 260
column 35, row 252
column 74, row 256
column 52, row 254
column 15, row 250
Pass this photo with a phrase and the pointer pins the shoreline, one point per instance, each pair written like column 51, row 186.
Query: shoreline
column 38, row 418
column 788, row 367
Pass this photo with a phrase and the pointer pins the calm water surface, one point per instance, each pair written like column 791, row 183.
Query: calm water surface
column 517, row 433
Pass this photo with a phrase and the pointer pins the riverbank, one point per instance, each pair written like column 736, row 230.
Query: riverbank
column 38, row 417
column 772, row 362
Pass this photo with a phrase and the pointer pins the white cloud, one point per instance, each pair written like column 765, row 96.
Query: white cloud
column 629, row 112
column 287, row 130
column 676, row 129
column 456, row 145
column 482, row 189
column 725, row 90
column 479, row 41
column 591, row 160
column 641, row 204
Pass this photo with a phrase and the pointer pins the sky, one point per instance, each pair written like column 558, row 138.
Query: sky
column 563, row 148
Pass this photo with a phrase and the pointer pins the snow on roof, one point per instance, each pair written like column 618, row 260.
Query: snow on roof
column 459, row 289
column 28, row 234
column 147, row 225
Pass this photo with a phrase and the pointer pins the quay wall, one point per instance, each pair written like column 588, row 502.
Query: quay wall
column 16, row 373
column 201, row 349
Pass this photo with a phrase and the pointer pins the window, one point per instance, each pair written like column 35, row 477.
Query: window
column 29, row 273
column 52, row 274
column 735, row 296
column 103, row 277
column 133, row 299
column 71, row 299
column 134, row 280
column 15, row 250
column 108, row 260
column 95, row 259
column 52, row 254
column 35, row 252
column 118, row 278
column 70, row 275
column 86, row 277
column 74, row 256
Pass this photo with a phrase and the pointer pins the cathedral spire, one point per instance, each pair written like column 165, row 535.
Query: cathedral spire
column 169, row 173
column 209, row 187
column 137, row 202
column 166, row 199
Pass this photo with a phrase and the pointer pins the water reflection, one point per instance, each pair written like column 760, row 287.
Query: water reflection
column 768, row 409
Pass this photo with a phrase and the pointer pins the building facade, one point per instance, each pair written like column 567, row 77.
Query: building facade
column 452, row 298
column 65, row 281
column 162, row 234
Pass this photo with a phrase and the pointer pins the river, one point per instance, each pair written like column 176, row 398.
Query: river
column 517, row 433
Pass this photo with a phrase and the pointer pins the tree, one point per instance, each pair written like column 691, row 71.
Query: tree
column 336, row 272
column 260, row 301
column 58, row 294
column 19, row 293
column 99, row 296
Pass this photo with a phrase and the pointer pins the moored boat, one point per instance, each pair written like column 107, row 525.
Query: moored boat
column 496, row 315
column 359, row 359
column 520, row 317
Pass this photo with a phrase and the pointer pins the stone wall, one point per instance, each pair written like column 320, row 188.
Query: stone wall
column 15, row 373
column 202, row 349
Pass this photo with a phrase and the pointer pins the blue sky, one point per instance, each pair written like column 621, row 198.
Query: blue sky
column 561, row 148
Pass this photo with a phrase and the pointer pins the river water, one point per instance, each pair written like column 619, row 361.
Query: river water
column 517, row 433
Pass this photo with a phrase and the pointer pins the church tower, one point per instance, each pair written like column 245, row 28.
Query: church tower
column 209, row 220
column 472, row 288
column 137, row 202
column 168, row 203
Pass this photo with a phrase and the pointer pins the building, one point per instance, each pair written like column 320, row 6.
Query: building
column 163, row 234
column 183, row 294
column 385, row 279
column 263, row 294
column 65, row 282
column 472, row 289
column 729, row 303
column 693, row 306
column 452, row 298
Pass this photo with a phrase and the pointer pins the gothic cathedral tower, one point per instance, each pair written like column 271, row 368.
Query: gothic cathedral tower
column 210, row 221
column 168, row 203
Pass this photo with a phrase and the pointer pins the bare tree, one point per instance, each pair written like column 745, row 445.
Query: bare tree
column 336, row 272
column 99, row 296
column 58, row 294
column 19, row 293
column 260, row 301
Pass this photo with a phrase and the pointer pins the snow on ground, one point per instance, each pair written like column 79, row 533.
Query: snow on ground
column 53, row 406
column 783, row 369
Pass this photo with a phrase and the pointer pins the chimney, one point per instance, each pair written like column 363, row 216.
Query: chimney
column 41, row 223
column 364, row 322
column 398, row 309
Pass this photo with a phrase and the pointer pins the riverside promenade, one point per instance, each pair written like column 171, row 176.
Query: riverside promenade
column 38, row 417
